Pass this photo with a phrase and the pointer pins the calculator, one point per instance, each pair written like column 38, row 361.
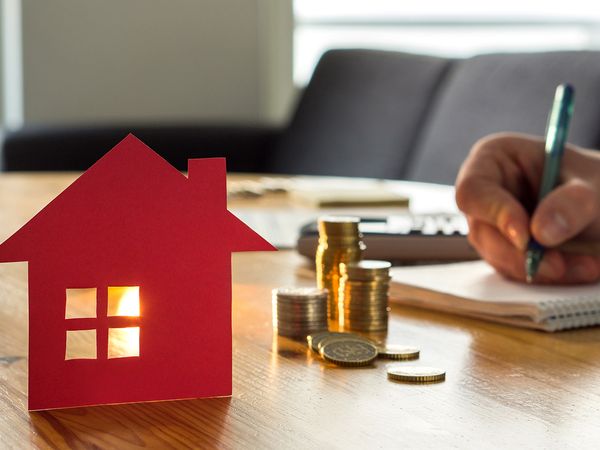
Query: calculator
column 404, row 238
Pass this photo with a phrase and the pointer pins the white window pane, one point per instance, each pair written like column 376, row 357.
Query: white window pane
column 310, row 10
column 311, row 41
column 81, row 303
column 123, row 342
column 81, row 344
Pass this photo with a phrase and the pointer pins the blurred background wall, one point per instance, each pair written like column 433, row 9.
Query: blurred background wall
column 151, row 60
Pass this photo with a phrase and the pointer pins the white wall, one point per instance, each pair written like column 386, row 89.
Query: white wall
column 155, row 60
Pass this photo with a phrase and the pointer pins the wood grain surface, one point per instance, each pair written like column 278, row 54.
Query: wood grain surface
column 505, row 387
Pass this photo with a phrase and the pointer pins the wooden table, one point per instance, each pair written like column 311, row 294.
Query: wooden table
column 505, row 387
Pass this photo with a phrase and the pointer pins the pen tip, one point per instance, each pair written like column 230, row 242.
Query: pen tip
column 529, row 279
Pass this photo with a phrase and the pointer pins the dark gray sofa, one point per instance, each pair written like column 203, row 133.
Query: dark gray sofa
column 364, row 113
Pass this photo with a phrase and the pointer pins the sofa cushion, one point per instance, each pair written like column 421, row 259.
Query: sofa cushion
column 360, row 113
column 504, row 92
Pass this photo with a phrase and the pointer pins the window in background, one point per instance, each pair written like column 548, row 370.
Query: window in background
column 11, row 85
column 460, row 28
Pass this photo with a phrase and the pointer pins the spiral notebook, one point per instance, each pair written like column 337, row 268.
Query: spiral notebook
column 475, row 289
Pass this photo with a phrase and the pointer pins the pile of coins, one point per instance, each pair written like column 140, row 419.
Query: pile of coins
column 363, row 295
column 298, row 312
column 339, row 242
column 352, row 350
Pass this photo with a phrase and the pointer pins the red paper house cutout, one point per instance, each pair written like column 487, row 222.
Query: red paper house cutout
column 133, row 220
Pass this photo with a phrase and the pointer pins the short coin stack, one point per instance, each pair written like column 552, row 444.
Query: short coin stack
column 339, row 242
column 363, row 295
column 298, row 312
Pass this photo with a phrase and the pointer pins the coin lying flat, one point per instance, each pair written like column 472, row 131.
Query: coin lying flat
column 342, row 336
column 349, row 352
column 416, row 374
column 315, row 339
column 391, row 351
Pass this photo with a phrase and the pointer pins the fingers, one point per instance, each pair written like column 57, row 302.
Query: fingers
column 483, row 194
column 507, row 259
column 556, row 267
column 565, row 212
column 581, row 268
column 489, row 203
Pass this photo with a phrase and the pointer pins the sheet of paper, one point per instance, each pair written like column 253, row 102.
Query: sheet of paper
column 476, row 280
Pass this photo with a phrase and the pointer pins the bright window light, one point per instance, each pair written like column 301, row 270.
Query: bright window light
column 452, row 29
column 123, row 301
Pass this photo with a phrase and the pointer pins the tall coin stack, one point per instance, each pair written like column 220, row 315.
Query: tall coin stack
column 363, row 295
column 339, row 242
column 298, row 312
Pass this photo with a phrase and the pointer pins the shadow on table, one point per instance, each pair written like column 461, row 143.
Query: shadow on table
column 183, row 423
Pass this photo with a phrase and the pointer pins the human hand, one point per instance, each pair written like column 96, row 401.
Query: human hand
column 497, row 187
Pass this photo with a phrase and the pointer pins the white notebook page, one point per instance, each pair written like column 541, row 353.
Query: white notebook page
column 476, row 280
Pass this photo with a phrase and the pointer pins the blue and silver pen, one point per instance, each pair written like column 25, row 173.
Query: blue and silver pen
column 556, row 136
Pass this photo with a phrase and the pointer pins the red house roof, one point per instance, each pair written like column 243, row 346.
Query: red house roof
column 132, row 198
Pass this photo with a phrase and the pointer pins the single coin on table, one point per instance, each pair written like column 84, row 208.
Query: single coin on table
column 341, row 336
column 314, row 339
column 392, row 351
column 415, row 374
column 349, row 352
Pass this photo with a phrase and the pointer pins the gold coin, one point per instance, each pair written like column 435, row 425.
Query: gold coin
column 365, row 328
column 415, row 374
column 299, row 292
column 337, row 222
column 340, row 335
column 349, row 352
column 315, row 339
column 366, row 266
column 391, row 351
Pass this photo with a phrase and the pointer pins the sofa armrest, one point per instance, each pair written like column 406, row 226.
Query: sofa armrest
column 246, row 147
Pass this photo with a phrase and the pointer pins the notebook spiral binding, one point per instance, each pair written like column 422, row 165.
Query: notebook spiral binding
column 562, row 314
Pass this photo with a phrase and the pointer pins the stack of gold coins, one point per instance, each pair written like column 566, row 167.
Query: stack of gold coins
column 363, row 295
column 298, row 312
column 339, row 242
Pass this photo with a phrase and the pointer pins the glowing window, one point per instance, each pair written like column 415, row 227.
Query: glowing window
column 123, row 342
column 81, row 344
column 81, row 303
column 123, row 301
column 122, row 306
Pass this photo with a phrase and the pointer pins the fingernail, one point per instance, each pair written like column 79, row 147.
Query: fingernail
column 518, row 239
column 555, row 229
column 549, row 270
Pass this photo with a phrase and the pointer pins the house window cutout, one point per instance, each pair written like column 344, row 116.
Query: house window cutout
column 123, row 342
column 81, row 303
column 81, row 344
column 123, row 301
